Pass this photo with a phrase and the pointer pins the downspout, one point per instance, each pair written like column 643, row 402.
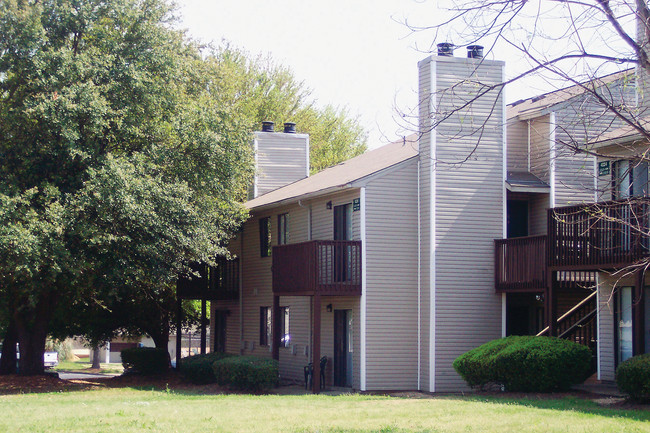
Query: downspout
column 504, row 195
column 363, row 301
column 241, row 292
column 419, row 287
column 528, row 153
column 553, row 155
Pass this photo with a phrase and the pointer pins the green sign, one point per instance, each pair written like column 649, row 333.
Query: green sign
column 603, row 168
column 356, row 204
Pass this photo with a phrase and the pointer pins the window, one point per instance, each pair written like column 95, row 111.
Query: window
column 630, row 179
column 285, row 336
column 624, row 323
column 265, row 326
column 265, row 237
column 283, row 232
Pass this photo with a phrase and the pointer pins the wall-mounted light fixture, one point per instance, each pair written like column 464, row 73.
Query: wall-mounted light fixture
column 329, row 308
column 329, row 205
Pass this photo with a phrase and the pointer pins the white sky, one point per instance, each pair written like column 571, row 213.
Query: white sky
column 352, row 53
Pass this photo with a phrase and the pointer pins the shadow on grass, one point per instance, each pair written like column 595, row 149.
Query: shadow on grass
column 582, row 404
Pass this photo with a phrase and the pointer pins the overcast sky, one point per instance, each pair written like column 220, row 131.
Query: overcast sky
column 352, row 53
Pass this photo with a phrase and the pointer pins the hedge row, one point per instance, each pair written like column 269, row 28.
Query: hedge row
column 248, row 373
column 198, row 368
column 526, row 363
column 145, row 360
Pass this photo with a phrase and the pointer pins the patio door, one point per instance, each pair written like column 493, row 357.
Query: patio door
column 343, row 344
column 342, row 232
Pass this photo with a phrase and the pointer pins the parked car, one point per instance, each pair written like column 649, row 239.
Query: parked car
column 50, row 359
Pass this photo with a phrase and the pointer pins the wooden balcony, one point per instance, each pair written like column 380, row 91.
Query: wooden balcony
column 604, row 235
column 520, row 264
column 218, row 283
column 323, row 267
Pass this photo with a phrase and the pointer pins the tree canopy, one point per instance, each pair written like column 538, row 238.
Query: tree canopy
column 119, row 163
column 266, row 91
column 125, row 155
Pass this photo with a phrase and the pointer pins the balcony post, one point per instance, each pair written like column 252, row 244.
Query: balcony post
column 203, row 324
column 316, row 345
column 275, row 331
column 638, row 314
column 550, row 304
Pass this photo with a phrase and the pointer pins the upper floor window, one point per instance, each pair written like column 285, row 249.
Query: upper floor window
column 265, row 237
column 283, row 230
column 630, row 179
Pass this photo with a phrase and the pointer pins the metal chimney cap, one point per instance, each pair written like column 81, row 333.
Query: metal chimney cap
column 289, row 127
column 446, row 49
column 475, row 51
column 267, row 126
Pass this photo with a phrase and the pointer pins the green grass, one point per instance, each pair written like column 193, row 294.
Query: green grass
column 82, row 365
column 129, row 410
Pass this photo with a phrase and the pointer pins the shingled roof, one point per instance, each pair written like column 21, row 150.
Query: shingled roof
column 342, row 175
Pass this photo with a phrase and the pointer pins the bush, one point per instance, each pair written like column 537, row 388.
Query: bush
column 248, row 373
column 198, row 368
column 145, row 360
column 526, row 363
column 633, row 377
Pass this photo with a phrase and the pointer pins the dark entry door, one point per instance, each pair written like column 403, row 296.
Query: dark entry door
column 342, row 348
column 517, row 218
column 220, row 330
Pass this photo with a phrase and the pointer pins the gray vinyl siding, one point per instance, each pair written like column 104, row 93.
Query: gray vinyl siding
column 281, row 159
column 391, row 283
column 322, row 219
column 327, row 334
column 517, row 137
column 426, row 95
column 538, row 214
column 540, row 130
column 298, row 354
column 606, row 329
column 579, row 121
column 233, row 344
column 469, row 215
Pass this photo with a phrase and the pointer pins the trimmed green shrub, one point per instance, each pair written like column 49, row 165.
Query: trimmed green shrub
column 526, row 363
column 476, row 367
column 145, row 360
column 247, row 373
column 633, row 377
column 198, row 368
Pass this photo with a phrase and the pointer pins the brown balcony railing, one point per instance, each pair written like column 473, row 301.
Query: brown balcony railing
column 520, row 264
column 218, row 283
column 604, row 234
column 325, row 267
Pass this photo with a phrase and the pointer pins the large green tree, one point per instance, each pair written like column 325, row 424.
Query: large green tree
column 120, row 161
column 266, row 91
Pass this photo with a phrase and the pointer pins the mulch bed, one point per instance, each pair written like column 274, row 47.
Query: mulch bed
column 15, row 384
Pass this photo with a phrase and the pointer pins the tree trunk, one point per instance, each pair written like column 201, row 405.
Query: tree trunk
column 32, row 346
column 96, row 358
column 161, row 340
column 31, row 327
column 8, row 359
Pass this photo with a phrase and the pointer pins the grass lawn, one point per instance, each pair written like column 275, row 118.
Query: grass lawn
column 131, row 410
column 85, row 364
